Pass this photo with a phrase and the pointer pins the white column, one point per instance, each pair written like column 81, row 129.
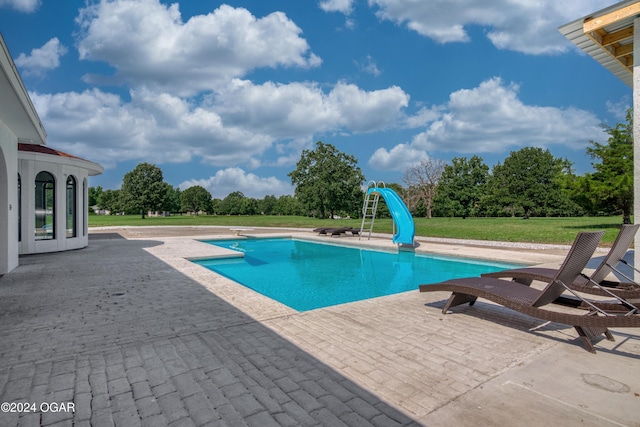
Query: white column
column 636, row 137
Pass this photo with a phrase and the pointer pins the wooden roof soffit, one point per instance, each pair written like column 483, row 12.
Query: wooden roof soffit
column 613, row 32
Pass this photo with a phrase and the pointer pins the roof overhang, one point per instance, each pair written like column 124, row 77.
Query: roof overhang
column 16, row 109
column 607, row 36
column 41, row 153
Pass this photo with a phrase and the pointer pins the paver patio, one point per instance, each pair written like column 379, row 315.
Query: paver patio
column 133, row 334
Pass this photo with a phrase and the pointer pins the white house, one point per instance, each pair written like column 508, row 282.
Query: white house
column 609, row 37
column 43, row 191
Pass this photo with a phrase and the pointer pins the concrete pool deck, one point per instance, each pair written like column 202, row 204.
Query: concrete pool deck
column 133, row 334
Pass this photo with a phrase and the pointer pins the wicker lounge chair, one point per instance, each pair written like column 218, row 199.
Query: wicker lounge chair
column 534, row 302
column 595, row 283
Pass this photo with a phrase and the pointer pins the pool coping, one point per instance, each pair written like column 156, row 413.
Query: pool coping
column 351, row 244
column 178, row 250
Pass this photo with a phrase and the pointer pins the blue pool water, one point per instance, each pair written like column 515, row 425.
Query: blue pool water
column 305, row 275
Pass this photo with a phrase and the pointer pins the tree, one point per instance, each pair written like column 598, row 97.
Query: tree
column 328, row 181
column 611, row 185
column 461, row 187
column 110, row 200
column 288, row 205
column 571, row 202
column 143, row 189
column 233, row 204
column 250, row 206
column 94, row 193
column 268, row 205
column 422, row 181
column 172, row 202
column 216, row 207
column 195, row 199
column 528, row 184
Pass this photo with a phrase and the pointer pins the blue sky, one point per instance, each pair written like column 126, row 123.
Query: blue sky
column 227, row 95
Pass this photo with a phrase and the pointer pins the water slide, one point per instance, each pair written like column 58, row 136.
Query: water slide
column 405, row 228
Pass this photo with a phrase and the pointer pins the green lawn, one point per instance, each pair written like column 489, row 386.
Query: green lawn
column 534, row 230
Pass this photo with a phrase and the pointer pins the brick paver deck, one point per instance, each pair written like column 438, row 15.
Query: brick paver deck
column 132, row 334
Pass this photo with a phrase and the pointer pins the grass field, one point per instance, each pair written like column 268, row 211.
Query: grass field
column 534, row 230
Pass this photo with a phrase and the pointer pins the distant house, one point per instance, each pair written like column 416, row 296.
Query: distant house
column 43, row 191
column 158, row 213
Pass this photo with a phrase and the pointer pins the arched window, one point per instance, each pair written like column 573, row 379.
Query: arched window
column 71, row 207
column 45, row 207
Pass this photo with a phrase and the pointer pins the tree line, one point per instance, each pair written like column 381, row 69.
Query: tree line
column 143, row 190
column 532, row 182
column 328, row 183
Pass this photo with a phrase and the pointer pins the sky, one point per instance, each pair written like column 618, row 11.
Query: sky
column 228, row 95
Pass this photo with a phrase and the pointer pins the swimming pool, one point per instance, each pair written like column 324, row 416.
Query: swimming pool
column 307, row 275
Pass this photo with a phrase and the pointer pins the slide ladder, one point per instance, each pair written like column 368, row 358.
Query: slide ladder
column 369, row 210
column 403, row 226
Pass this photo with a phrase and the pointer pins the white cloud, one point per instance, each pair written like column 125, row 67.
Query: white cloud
column 491, row 118
column 228, row 180
column 26, row 6
column 342, row 6
column 158, row 127
column 369, row 66
column 299, row 110
column 423, row 117
column 349, row 24
column 363, row 111
column 184, row 58
column 166, row 61
column 619, row 109
column 95, row 125
column 528, row 26
column 42, row 59
column 234, row 127
column 399, row 158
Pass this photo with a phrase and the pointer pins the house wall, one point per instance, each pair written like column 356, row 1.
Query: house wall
column 19, row 121
column 636, row 140
column 8, row 199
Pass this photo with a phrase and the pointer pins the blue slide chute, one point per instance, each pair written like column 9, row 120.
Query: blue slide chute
column 406, row 229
